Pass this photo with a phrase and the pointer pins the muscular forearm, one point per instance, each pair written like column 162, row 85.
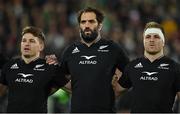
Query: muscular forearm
column 118, row 89
column 67, row 87
column 3, row 90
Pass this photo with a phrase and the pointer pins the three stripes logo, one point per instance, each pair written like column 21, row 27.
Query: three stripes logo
column 139, row 65
column 14, row 66
column 76, row 50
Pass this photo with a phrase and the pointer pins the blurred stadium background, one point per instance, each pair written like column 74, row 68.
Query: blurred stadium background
column 124, row 23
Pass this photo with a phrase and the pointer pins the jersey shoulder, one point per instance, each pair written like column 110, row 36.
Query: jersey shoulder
column 12, row 64
column 172, row 63
column 115, row 47
column 111, row 43
column 42, row 62
column 138, row 62
column 72, row 48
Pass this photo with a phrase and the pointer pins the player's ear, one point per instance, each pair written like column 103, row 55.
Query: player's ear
column 100, row 26
column 42, row 45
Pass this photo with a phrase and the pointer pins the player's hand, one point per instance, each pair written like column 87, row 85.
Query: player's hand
column 51, row 59
column 116, row 77
column 116, row 86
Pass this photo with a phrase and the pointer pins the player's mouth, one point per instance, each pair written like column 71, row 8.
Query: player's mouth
column 26, row 49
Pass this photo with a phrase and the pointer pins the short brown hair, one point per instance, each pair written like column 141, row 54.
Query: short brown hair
column 99, row 14
column 37, row 32
column 153, row 24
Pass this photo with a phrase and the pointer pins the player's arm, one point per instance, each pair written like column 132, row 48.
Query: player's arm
column 178, row 96
column 177, row 80
column 67, row 87
column 115, row 83
column 52, row 59
column 3, row 90
column 60, row 80
column 53, row 90
column 3, row 81
column 177, row 99
column 122, row 61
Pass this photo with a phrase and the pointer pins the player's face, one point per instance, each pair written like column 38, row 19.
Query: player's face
column 30, row 46
column 89, row 26
column 153, row 44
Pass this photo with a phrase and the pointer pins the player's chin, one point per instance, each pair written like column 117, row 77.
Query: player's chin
column 88, row 34
column 152, row 52
column 26, row 55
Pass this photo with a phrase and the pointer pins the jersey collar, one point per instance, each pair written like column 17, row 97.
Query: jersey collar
column 32, row 62
column 97, row 41
column 157, row 60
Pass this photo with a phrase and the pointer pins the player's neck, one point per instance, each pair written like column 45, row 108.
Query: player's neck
column 153, row 57
column 30, row 59
column 89, row 44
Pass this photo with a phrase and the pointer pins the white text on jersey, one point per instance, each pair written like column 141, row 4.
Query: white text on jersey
column 88, row 61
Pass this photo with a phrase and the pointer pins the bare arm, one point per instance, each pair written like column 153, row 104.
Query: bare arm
column 67, row 87
column 3, row 90
column 175, row 107
column 178, row 95
column 116, row 86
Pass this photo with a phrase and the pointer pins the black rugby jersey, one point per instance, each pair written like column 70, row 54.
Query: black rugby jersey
column 154, row 84
column 30, row 84
column 91, row 69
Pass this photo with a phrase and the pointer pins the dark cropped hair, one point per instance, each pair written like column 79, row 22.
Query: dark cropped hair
column 99, row 14
column 153, row 24
column 37, row 32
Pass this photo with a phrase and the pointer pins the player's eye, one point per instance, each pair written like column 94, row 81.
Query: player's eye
column 32, row 40
column 83, row 22
column 23, row 40
column 148, row 36
column 92, row 21
column 156, row 36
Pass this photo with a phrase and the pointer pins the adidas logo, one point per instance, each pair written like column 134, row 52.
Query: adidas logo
column 139, row 65
column 76, row 50
column 14, row 66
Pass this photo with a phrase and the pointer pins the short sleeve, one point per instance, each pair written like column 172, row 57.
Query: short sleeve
column 59, row 78
column 3, row 75
column 177, row 77
column 122, row 58
column 63, row 61
column 124, row 80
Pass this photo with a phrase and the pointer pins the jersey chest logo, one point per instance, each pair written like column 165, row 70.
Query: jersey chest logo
column 14, row 66
column 88, row 57
column 25, row 78
column 149, row 73
column 103, row 48
column 164, row 66
column 39, row 67
column 139, row 65
column 76, row 50
column 88, row 60
column 149, row 76
column 25, row 75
